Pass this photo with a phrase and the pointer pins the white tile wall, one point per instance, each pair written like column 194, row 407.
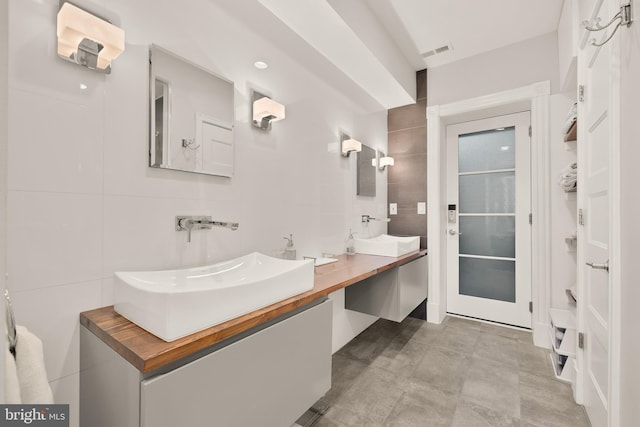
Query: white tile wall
column 52, row 314
column 53, row 239
column 56, row 144
column 82, row 202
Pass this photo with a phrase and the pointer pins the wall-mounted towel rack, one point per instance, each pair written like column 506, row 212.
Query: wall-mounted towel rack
column 623, row 17
column 11, row 323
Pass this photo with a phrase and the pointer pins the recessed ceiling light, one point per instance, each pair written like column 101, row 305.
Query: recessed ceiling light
column 499, row 128
column 505, row 148
column 83, row 86
column 260, row 65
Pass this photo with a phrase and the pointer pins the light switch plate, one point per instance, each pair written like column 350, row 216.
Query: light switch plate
column 393, row 209
column 422, row 208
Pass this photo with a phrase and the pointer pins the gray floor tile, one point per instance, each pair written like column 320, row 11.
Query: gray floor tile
column 443, row 368
column 462, row 323
column 458, row 339
column 401, row 357
column 548, row 402
column 423, row 406
column 493, row 385
column 535, row 360
column 462, row 373
column 471, row 415
column 373, row 395
column 369, row 344
column 522, row 335
column 498, row 348
column 338, row 416
column 427, row 332
column 345, row 372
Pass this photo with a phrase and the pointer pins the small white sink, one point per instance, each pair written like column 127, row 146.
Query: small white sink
column 323, row 261
column 174, row 303
column 386, row 245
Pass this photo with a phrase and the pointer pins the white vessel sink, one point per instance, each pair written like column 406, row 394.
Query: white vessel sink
column 174, row 303
column 323, row 261
column 386, row 245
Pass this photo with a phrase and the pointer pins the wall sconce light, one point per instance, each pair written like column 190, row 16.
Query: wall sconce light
column 87, row 40
column 382, row 161
column 348, row 145
column 266, row 111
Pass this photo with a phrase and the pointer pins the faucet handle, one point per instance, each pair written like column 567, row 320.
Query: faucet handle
column 186, row 224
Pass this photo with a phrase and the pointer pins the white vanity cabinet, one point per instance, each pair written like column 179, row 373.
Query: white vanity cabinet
column 268, row 377
column 391, row 294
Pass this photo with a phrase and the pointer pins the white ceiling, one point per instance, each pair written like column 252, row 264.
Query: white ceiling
column 379, row 44
column 470, row 27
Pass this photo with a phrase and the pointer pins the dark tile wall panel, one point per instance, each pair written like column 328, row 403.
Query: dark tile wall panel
column 408, row 141
column 407, row 179
column 421, row 85
column 408, row 116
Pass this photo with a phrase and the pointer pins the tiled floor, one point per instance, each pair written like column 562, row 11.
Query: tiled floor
column 461, row 373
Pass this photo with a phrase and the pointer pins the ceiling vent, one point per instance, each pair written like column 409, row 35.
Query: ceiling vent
column 438, row 51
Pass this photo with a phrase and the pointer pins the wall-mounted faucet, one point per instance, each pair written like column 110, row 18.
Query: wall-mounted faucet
column 367, row 218
column 190, row 223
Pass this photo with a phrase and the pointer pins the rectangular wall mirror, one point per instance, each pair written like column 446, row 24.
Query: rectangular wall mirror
column 366, row 182
column 191, row 116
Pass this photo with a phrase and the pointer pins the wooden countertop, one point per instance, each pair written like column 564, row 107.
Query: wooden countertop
column 147, row 352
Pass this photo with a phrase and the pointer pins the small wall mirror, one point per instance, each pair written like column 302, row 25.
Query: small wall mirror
column 191, row 116
column 366, row 182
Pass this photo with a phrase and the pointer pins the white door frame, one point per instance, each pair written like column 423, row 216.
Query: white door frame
column 534, row 98
column 514, row 312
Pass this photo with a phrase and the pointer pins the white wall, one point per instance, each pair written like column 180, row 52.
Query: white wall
column 82, row 202
column 507, row 68
column 630, row 230
column 513, row 66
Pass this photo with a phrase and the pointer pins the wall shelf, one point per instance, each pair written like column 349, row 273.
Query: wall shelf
column 572, row 133
column 571, row 241
column 563, row 337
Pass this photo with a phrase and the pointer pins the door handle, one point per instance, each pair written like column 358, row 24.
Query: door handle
column 453, row 232
column 604, row 266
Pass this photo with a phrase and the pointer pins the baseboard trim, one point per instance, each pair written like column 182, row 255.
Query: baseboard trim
column 434, row 313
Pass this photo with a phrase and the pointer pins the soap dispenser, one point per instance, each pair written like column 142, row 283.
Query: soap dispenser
column 350, row 250
column 289, row 250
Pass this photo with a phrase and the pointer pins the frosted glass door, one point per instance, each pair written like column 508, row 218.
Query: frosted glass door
column 487, row 194
column 488, row 253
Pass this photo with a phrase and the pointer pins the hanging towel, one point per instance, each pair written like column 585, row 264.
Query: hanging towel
column 32, row 375
column 11, row 384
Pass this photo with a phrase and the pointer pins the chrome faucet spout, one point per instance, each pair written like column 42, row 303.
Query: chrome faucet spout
column 189, row 223
column 367, row 218
column 230, row 225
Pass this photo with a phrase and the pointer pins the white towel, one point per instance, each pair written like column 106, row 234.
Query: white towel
column 569, row 177
column 11, row 384
column 32, row 375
